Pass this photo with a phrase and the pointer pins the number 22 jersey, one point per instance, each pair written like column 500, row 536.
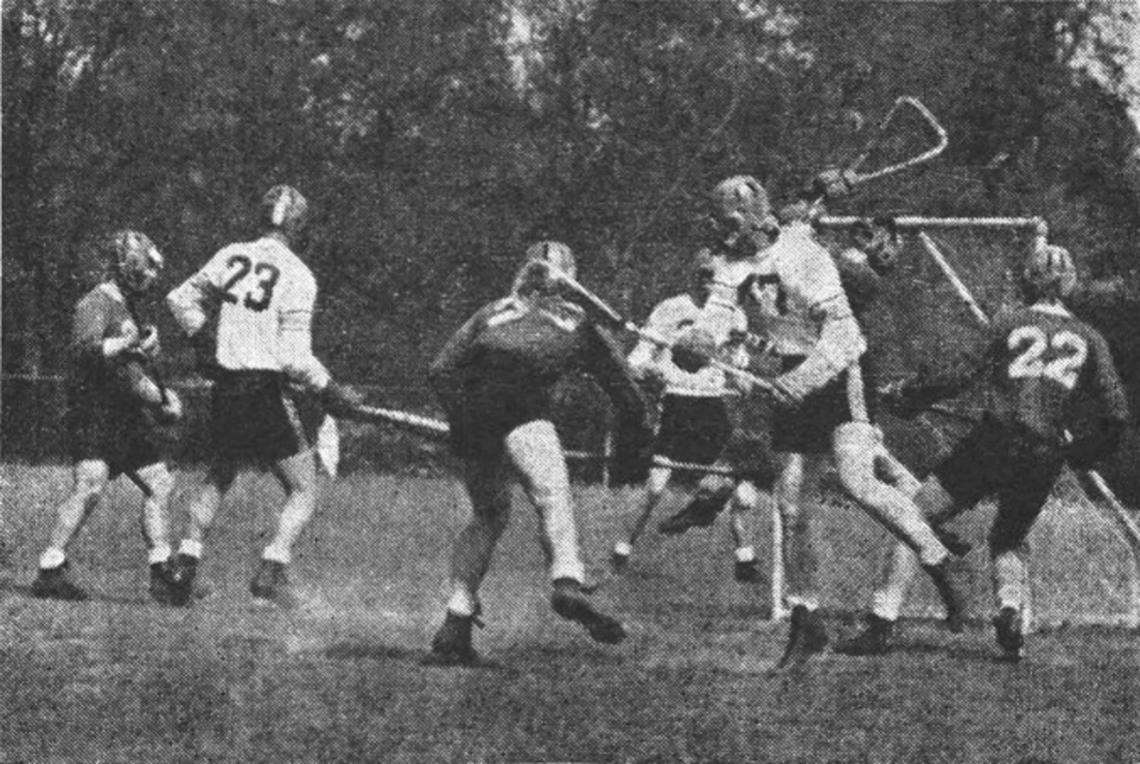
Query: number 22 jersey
column 1043, row 359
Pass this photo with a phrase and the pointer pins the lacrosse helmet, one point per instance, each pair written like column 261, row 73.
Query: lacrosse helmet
column 741, row 217
column 283, row 208
column 1049, row 273
column 133, row 261
column 880, row 240
column 543, row 262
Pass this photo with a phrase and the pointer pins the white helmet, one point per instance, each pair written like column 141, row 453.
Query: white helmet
column 284, row 208
column 741, row 214
column 132, row 260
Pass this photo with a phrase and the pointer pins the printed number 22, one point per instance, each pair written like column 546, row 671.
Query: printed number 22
column 258, row 298
column 1072, row 350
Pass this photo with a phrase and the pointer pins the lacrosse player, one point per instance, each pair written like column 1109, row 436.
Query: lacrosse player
column 114, row 405
column 1040, row 366
column 694, row 423
column 802, row 308
column 261, row 361
column 495, row 379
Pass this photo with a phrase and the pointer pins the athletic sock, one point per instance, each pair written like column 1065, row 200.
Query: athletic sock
column 191, row 548
column 159, row 553
column 275, row 553
column 52, row 558
column 745, row 554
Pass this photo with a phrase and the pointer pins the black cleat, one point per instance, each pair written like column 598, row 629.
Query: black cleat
column 875, row 639
column 618, row 562
column 272, row 585
column 571, row 603
column 1007, row 629
column 54, row 584
column 955, row 544
column 806, row 637
column 952, row 599
column 165, row 588
column 451, row 645
column 184, row 569
column 748, row 572
column 700, row 512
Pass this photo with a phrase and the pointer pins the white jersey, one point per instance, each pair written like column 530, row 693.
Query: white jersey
column 267, row 295
column 796, row 286
column 669, row 319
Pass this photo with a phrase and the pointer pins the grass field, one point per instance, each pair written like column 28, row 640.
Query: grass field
column 339, row 679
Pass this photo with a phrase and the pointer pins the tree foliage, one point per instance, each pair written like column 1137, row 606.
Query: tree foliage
column 437, row 138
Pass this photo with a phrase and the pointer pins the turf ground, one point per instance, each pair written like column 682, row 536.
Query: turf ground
column 339, row 679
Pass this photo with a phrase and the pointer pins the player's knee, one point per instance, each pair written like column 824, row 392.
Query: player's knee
column 90, row 480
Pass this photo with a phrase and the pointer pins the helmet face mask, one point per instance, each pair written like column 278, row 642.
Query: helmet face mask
column 1049, row 274
column 133, row 261
column 741, row 222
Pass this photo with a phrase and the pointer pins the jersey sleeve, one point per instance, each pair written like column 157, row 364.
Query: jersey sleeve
column 89, row 328
column 446, row 372
column 1106, row 382
column 295, row 314
column 192, row 301
column 647, row 356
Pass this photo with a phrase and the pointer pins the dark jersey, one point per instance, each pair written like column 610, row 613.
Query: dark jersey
column 1040, row 366
column 500, row 369
column 93, row 380
column 1044, row 360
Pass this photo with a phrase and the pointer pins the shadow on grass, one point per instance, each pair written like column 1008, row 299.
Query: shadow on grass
column 8, row 586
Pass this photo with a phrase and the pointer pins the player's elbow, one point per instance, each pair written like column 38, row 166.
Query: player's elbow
column 186, row 308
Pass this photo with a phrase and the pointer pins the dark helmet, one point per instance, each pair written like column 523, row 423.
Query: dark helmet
column 1049, row 273
column 132, row 260
column 543, row 262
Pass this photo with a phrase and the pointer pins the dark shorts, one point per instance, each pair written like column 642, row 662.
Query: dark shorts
column 692, row 429
column 256, row 418
column 120, row 433
column 1016, row 466
column 808, row 429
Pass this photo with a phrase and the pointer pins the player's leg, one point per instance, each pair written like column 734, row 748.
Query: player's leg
column 696, row 430
column 536, row 454
column 857, row 447
column 807, row 633
column 471, row 554
column 90, row 478
column 1032, row 469
column 654, row 491
column 900, row 566
column 156, row 484
column 298, row 477
column 741, row 506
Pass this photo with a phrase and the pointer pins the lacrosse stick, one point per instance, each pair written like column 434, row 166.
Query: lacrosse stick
column 852, row 172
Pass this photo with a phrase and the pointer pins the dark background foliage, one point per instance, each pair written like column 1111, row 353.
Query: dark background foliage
column 435, row 141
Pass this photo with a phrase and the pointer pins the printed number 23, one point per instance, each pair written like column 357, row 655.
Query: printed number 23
column 1072, row 350
column 258, row 298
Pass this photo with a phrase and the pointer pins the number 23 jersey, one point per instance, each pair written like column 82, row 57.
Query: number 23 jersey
column 267, row 296
column 1044, row 359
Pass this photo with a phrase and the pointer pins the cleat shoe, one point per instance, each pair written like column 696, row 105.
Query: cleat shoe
column 451, row 645
column 748, row 572
column 184, row 569
column 54, row 584
column 954, row 543
column 569, row 602
column 272, row 585
column 619, row 561
column 875, row 639
column 952, row 599
column 806, row 637
column 164, row 585
column 700, row 512
column 1007, row 629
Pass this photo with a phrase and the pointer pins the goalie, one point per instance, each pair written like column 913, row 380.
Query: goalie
column 114, row 405
column 495, row 378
